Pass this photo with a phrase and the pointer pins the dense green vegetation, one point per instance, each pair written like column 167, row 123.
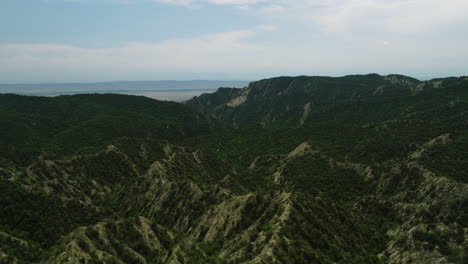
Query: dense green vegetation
column 450, row 159
column 67, row 125
column 366, row 119
column 357, row 169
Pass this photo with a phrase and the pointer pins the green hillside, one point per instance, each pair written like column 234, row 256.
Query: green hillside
column 67, row 125
column 356, row 169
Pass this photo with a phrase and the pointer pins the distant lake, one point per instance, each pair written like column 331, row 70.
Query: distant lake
column 161, row 90
column 165, row 95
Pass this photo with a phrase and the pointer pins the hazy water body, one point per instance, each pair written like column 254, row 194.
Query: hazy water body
column 161, row 90
column 172, row 95
column 164, row 95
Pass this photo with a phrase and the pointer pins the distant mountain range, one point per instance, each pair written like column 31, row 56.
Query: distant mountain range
column 364, row 169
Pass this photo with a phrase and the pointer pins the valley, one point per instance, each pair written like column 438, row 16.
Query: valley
column 353, row 169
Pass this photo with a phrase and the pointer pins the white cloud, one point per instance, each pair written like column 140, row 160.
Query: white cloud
column 240, row 3
column 340, row 16
column 201, row 51
column 234, row 54
column 268, row 28
column 351, row 16
column 232, row 2
column 272, row 9
column 356, row 36
column 393, row 16
column 207, row 53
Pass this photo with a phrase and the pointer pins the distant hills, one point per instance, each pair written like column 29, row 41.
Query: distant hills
column 358, row 169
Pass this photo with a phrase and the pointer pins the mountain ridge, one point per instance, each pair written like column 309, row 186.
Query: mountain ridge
column 358, row 169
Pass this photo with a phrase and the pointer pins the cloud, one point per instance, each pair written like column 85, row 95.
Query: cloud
column 268, row 28
column 170, row 53
column 238, row 3
column 344, row 16
column 206, row 53
column 314, row 37
column 392, row 16
column 233, row 54
column 272, row 9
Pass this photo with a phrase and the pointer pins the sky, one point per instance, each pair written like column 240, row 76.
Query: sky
column 112, row 40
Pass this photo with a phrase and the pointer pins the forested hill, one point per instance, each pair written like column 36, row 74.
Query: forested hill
column 373, row 97
column 356, row 169
column 363, row 118
column 79, row 124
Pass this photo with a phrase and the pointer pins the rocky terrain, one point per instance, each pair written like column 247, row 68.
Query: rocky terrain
column 357, row 169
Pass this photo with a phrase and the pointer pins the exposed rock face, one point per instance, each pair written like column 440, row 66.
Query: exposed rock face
column 240, row 99
column 134, row 240
column 306, row 113
column 442, row 140
column 430, row 217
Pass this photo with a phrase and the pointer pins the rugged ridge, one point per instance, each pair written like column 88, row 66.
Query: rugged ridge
column 268, row 100
column 357, row 169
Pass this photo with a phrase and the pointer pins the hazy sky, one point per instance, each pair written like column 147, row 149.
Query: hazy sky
column 103, row 40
